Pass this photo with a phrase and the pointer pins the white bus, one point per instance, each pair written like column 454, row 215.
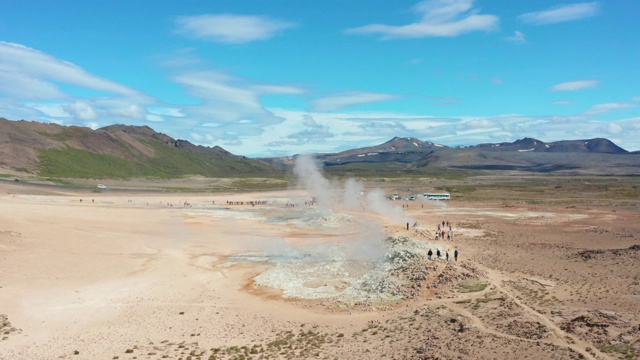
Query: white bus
column 441, row 196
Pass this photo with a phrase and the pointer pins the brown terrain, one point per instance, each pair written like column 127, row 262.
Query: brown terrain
column 548, row 269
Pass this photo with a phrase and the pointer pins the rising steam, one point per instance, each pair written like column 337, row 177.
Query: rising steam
column 350, row 195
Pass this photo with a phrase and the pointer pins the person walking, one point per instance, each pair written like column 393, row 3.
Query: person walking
column 438, row 254
column 430, row 254
column 455, row 254
column 447, row 255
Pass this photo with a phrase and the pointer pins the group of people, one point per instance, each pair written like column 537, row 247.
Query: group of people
column 439, row 254
column 442, row 230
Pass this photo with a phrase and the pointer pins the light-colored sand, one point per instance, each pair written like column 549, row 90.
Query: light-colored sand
column 105, row 275
column 129, row 271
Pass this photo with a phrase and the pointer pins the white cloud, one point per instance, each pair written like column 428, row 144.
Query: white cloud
column 562, row 102
column 31, row 69
column 225, row 98
column 18, row 85
column 517, row 37
column 230, row 28
column 636, row 99
column 613, row 128
column 165, row 111
column 308, row 132
column 477, row 124
column 92, row 125
column 31, row 84
column 180, row 58
column 49, row 109
column 81, row 110
column 561, row 13
column 229, row 108
column 154, row 118
column 277, row 89
column 608, row 107
column 131, row 111
column 575, row 85
column 341, row 101
column 313, row 132
column 439, row 18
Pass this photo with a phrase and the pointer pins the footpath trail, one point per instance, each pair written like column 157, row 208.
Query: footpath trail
column 561, row 337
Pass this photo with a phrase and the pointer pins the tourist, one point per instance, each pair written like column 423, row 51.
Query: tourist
column 447, row 255
column 438, row 254
column 430, row 254
column 455, row 254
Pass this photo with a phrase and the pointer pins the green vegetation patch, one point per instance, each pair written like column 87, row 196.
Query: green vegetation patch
column 465, row 301
column 395, row 170
column 627, row 350
column 472, row 286
column 168, row 162
column 487, row 299
column 73, row 163
column 462, row 189
column 66, row 133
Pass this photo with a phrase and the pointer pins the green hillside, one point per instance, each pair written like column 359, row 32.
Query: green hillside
column 167, row 163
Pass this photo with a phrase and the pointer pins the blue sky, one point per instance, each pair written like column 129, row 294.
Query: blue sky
column 282, row 77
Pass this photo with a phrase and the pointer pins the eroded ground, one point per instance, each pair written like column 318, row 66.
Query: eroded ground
column 149, row 277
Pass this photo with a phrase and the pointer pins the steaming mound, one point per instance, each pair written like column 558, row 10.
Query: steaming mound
column 347, row 280
column 317, row 218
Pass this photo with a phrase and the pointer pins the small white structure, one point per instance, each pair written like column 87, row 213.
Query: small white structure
column 102, row 186
column 439, row 196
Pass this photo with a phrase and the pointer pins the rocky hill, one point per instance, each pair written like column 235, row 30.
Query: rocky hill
column 400, row 150
column 114, row 151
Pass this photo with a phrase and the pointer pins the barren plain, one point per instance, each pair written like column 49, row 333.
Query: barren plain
column 548, row 268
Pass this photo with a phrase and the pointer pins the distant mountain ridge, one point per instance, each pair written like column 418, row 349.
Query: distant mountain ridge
column 597, row 145
column 598, row 156
column 123, row 151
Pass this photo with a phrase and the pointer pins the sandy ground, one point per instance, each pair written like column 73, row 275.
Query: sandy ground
column 142, row 276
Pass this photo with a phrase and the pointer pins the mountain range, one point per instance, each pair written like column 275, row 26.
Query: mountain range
column 121, row 151
column 592, row 155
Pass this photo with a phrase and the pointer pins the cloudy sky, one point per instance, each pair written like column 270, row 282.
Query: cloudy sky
column 281, row 77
